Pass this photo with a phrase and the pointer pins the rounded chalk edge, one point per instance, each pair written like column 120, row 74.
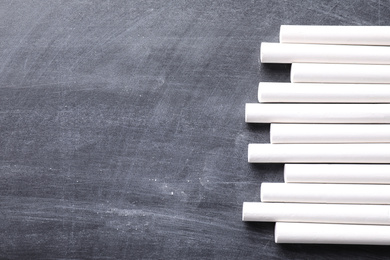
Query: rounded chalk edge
column 276, row 233
column 281, row 33
column 261, row 52
column 245, row 206
column 292, row 73
column 261, row 194
column 246, row 113
column 285, row 170
column 259, row 94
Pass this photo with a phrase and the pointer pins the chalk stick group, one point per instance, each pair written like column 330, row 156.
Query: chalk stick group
column 331, row 126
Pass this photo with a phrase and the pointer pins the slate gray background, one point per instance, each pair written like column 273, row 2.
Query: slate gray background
column 122, row 127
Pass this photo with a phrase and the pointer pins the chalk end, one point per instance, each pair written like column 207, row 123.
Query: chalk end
column 276, row 233
column 250, row 153
column 243, row 210
column 261, row 193
column 281, row 40
column 259, row 93
column 261, row 52
column 246, row 113
column 292, row 73
column 286, row 168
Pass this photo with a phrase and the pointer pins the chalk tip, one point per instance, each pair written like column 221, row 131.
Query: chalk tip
column 259, row 92
column 285, row 170
column 261, row 193
column 243, row 211
column 281, row 40
column 276, row 233
column 250, row 153
column 261, row 52
column 246, row 113
column 292, row 73
column 271, row 138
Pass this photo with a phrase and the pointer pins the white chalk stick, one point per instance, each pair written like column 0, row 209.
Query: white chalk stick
column 317, row 113
column 329, row 133
column 340, row 73
column 293, row 53
column 271, row 92
column 337, row 173
column 319, row 153
column 325, row 193
column 360, row 35
column 318, row 233
column 316, row 213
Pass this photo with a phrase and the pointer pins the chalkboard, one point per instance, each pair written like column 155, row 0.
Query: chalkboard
column 122, row 127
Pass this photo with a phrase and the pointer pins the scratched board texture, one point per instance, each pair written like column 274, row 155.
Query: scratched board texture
column 122, row 128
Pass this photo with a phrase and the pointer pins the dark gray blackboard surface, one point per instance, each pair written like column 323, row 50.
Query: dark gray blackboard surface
column 122, row 128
